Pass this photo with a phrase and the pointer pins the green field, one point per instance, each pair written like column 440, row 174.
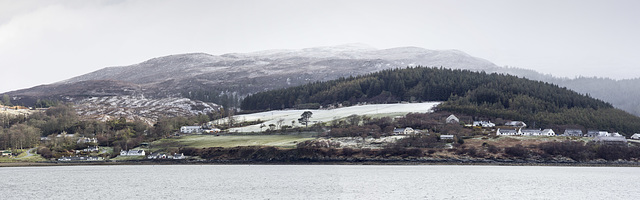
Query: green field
column 203, row 141
column 22, row 157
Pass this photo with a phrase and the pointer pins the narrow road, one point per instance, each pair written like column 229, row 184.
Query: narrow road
column 29, row 154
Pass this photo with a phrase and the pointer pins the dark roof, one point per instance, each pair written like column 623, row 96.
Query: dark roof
column 508, row 131
column 398, row 129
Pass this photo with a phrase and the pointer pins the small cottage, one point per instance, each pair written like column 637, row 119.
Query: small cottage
column 548, row 132
column 573, row 132
column 191, row 129
column 636, row 136
column 178, row 156
column 446, row 137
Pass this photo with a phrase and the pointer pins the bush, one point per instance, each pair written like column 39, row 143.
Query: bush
column 348, row 152
column 45, row 152
column 516, row 151
column 493, row 149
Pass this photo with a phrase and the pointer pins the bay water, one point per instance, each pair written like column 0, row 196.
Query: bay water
column 318, row 182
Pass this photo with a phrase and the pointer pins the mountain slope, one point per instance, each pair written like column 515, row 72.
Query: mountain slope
column 226, row 79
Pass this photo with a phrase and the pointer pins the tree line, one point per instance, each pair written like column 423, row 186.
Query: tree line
column 463, row 91
column 20, row 132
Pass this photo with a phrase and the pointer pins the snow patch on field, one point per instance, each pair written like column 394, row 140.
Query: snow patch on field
column 326, row 115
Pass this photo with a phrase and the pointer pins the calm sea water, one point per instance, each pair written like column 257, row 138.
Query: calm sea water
column 318, row 182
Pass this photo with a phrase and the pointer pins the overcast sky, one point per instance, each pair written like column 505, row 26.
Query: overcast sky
column 47, row 41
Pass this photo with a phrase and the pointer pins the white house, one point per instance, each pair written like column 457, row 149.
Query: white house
column 484, row 124
column 537, row 132
column 548, row 132
column 191, row 129
column 446, row 137
column 452, row 119
column 132, row 153
column 403, row 131
column 178, row 156
column 636, row 136
column 508, row 132
column 531, row 132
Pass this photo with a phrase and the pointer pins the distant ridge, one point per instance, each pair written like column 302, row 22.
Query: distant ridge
column 226, row 79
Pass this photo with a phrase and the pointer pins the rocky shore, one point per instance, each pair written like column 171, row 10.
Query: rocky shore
column 346, row 161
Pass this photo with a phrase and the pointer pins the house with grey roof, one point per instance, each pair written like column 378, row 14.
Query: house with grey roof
column 636, row 136
column 446, row 137
column 573, row 132
column 507, row 132
column 593, row 133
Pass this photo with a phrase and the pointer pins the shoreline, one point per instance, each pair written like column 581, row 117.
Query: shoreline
column 399, row 162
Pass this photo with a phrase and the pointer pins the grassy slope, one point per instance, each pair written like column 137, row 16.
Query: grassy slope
column 22, row 157
column 203, row 141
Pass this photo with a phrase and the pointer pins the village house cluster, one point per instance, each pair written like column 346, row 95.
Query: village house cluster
column 598, row 136
column 518, row 129
column 157, row 156
column 80, row 158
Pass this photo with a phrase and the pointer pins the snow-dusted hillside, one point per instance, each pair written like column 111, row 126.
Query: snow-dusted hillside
column 141, row 108
column 247, row 73
column 326, row 115
column 114, row 91
column 211, row 77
